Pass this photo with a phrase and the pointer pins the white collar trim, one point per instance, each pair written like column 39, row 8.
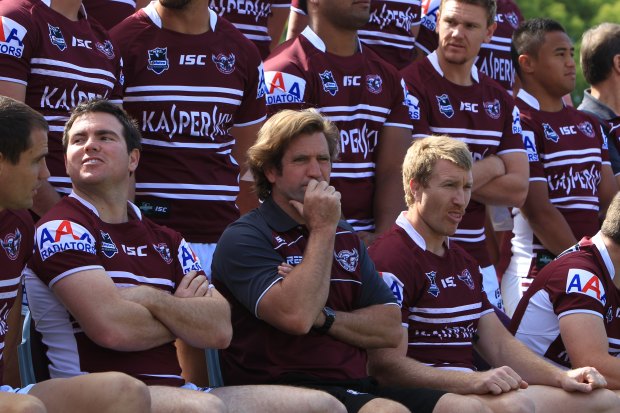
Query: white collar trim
column 90, row 206
column 317, row 42
column 156, row 18
column 435, row 62
column 600, row 245
column 529, row 99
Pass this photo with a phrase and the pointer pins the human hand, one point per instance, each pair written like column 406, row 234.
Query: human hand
column 583, row 379
column 193, row 285
column 497, row 381
column 285, row 269
column 321, row 206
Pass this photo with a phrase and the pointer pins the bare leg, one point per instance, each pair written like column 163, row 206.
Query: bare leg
column 383, row 406
column 450, row 403
column 511, row 402
column 176, row 400
column 554, row 400
column 20, row 403
column 93, row 393
column 277, row 399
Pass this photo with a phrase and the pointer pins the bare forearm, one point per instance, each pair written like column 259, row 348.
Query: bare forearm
column 508, row 190
column 551, row 229
column 200, row 321
column 376, row 326
column 389, row 201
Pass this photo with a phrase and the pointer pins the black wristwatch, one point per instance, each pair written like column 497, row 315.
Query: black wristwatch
column 330, row 316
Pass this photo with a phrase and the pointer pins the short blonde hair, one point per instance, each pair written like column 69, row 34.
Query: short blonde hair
column 424, row 153
column 277, row 134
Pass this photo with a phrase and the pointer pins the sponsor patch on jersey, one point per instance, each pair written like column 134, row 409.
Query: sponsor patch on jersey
column 513, row 19
column 11, row 243
column 395, row 285
column 294, row 259
column 529, row 143
column 550, row 134
column 284, row 88
column 587, row 129
column 187, row 258
column 493, row 108
column 445, row 107
column 158, row 60
column 63, row 235
column 413, row 105
column 329, row 82
column 12, row 36
column 225, row 64
column 516, row 121
column 609, row 316
column 57, row 38
column 164, row 252
column 432, row 289
column 108, row 247
column 584, row 282
column 374, row 83
column 348, row 259
column 465, row 276
column 262, row 86
column 106, row 48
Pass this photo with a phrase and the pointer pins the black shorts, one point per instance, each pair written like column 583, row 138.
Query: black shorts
column 356, row 393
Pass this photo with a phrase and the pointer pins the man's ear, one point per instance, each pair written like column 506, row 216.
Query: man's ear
column 415, row 188
column 134, row 159
column 490, row 31
column 270, row 173
column 526, row 63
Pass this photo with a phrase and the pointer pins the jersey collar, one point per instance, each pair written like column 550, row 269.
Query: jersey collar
column 529, row 99
column 435, row 62
column 276, row 217
column 415, row 236
column 82, row 11
column 90, row 206
column 316, row 41
column 602, row 249
column 156, row 18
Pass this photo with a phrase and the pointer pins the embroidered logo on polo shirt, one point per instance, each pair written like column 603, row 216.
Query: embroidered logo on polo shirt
column 347, row 259
column 57, row 38
column 164, row 252
column 433, row 289
column 329, row 82
column 107, row 245
column 11, row 244
column 158, row 60
column 445, row 107
column 225, row 64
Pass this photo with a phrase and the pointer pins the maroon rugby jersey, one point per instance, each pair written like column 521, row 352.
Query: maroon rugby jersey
column 187, row 91
column 441, row 298
column 61, row 62
column 359, row 93
column 251, row 17
column 494, row 57
column 580, row 281
column 482, row 115
column 17, row 241
column 566, row 149
column 71, row 238
column 388, row 31
column 260, row 353
column 109, row 12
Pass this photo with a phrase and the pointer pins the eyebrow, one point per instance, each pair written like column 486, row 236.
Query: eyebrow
column 98, row 132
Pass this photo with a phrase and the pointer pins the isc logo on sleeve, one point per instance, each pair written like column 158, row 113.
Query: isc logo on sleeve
column 284, row 88
column 584, row 282
column 188, row 259
column 11, row 37
column 395, row 285
column 62, row 235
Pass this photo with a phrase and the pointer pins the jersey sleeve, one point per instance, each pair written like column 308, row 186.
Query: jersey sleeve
column 512, row 139
column 18, row 41
column 64, row 247
column 532, row 143
column 250, row 274
column 252, row 109
column 401, row 106
column 299, row 6
column 186, row 261
column 577, row 290
column 374, row 288
column 416, row 102
column 287, row 86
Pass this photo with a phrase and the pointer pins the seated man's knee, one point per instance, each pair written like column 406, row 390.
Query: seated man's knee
column 450, row 403
column 383, row 406
column 23, row 404
column 514, row 402
column 605, row 401
column 326, row 403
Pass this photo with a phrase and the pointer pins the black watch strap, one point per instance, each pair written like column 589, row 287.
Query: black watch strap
column 330, row 316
